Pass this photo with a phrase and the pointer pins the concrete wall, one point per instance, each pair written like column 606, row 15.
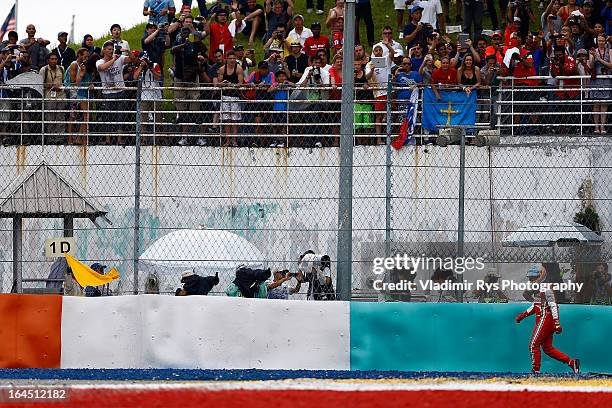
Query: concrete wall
column 285, row 201
column 149, row 331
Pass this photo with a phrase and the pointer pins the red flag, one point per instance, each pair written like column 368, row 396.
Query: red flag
column 399, row 141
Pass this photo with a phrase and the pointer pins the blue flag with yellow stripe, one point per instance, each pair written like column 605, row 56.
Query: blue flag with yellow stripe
column 453, row 108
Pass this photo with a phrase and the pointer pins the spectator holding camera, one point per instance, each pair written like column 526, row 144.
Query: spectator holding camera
column 387, row 38
column 600, row 286
column 279, row 287
column 279, row 39
column 580, row 33
column 275, row 60
column 151, row 82
column 158, row 11
column 316, row 269
column 277, row 13
column 550, row 21
column 600, row 63
column 118, row 41
column 415, row 32
column 187, row 48
column 110, row 68
column 36, row 47
column 88, row 42
column 155, row 42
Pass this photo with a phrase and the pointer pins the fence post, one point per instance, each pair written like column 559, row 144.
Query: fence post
column 388, row 172
column 345, row 204
column 461, row 225
column 137, row 182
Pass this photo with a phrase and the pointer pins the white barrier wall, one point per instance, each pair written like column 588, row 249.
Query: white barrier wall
column 152, row 331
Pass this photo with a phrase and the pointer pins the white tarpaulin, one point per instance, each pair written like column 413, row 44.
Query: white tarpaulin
column 203, row 250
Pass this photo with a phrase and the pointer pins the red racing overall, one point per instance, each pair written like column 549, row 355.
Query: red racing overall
column 547, row 323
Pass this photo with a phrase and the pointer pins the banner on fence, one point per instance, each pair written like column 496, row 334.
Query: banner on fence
column 453, row 108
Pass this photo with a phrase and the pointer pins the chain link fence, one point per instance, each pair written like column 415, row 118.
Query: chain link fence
column 225, row 176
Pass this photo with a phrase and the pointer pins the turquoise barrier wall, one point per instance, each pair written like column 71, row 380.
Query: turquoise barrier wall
column 472, row 337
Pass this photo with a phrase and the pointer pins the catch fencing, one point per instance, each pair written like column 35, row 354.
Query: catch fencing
column 248, row 175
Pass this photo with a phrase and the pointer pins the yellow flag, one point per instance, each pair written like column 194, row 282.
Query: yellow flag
column 87, row 276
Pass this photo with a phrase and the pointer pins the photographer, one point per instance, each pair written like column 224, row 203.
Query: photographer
column 279, row 287
column 521, row 9
column 550, row 21
column 314, row 77
column 580, row 33
column 415, row 32
column 155, row 42
column 277, row 14
column 489, row 76
column 158, row 11
column 316, row 270
column 118, row 41
column 187, row 70
column 110, row 67
column 151, row 82
column 279, row 39
column 37, row 47
column 53, row 78
column 600, row 286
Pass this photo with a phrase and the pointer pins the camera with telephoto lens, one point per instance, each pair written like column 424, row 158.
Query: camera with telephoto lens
column 316, row 74
column 185, row 31
column 278, row 35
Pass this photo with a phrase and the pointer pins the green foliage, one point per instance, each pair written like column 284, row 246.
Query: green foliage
column 589, row 218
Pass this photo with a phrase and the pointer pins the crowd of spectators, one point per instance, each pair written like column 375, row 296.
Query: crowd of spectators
column 302, row 66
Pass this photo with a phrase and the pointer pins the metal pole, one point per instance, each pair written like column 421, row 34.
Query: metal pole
column 17, row 242
column 388, row 173
column 137, row 183
column 68, row 226
column 345, row 205
column 461, row 226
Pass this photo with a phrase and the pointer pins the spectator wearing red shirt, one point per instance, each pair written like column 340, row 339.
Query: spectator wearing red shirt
column 515, row 27
column 338, row 37
column 316, row 42
column 445, row 76
column 220, row 35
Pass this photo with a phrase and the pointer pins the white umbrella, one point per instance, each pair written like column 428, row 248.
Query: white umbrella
column 206, row 251
column 30, row 80
column 549, row 234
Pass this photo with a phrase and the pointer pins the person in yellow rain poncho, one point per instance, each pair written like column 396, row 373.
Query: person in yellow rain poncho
column 89, row 277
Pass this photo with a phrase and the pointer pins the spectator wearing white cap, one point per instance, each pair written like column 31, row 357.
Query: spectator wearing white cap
column 299, row 32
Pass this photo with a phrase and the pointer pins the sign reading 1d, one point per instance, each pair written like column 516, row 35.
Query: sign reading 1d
column 57, row 247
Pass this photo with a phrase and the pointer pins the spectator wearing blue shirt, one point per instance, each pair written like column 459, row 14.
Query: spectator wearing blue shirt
column 259, row 82
column 158, row 10
column 416, row 57
column 405, row 76
column 280, row 95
